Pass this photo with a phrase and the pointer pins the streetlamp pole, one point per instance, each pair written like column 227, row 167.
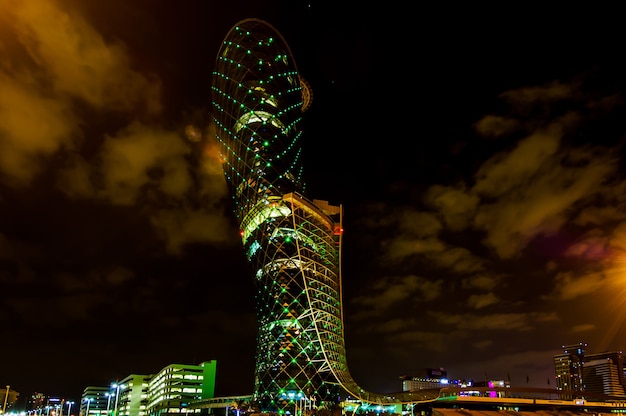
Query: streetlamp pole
column 69, row 408
column 88, row 401
column 117, row 396
column 6, row 398
column 108, row 402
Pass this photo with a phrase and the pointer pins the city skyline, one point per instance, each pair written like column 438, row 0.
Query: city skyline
column 600, row 384
column 479, row 163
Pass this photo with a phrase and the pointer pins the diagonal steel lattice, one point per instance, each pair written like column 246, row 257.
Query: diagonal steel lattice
column 292, row 243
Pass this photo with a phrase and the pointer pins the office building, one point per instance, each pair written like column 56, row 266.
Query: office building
column 169, row 391
column 603, row 376
column 433, row 378
column 130, row 395
column 568, row 368
column 175, row 387
column 93, row 401
column 598, row 376
column 292, row 243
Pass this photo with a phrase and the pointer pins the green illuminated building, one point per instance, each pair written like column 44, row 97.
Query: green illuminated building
column 292, row 243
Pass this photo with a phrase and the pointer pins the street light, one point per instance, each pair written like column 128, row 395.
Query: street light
column 88, row 401
column 69, row 408
column 6, row 398
column 117, row 396
column 108, row 401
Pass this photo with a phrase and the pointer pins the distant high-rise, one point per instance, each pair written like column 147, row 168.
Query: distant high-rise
column 568, row 367
column 598, row 375
column 432, row 378
column 603, row 375
column 292, row 243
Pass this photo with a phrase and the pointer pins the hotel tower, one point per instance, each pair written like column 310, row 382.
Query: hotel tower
column 293, row 243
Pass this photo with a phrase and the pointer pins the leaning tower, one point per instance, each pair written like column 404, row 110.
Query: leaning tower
column 293, row 243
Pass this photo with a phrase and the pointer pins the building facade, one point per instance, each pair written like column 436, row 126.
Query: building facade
column 133, row 395
column 173, row 389
column 293, row 243
column 568, row 367
column 433, row 378
column 598, row 376
column 93, row 401
column 603, row 375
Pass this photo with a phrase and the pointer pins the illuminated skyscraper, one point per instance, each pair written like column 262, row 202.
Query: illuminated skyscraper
column 569, row 367
column 292, row 243
column 597, row 376
column 603, row 375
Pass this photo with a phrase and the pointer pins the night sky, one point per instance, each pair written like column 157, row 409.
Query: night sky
column 478, row 155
